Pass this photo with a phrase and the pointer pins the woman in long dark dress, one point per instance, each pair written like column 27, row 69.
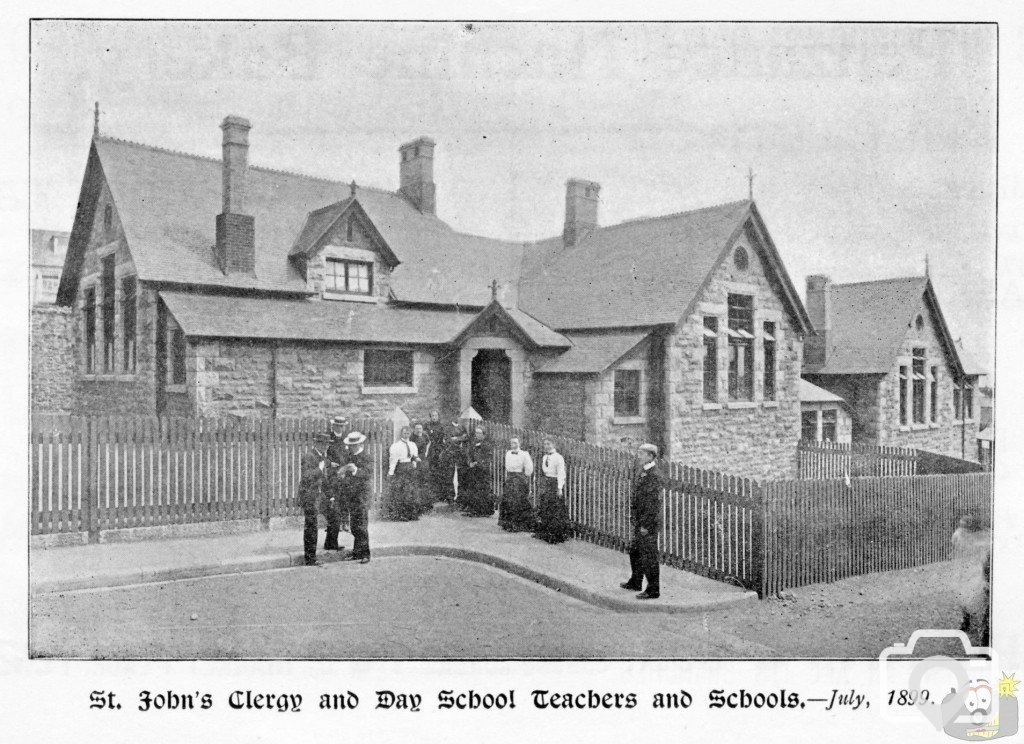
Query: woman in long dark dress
column 424, row 493
column 516, row 514
column 400, row 502
column 552, row 515
column 478, row 500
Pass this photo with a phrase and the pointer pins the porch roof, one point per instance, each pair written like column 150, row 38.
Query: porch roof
column 592, row 353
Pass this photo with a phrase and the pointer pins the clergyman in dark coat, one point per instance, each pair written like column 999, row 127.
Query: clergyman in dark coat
column 645, row 509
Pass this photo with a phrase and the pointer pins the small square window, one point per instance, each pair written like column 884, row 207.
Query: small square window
column 387, row 368
column 627, row 392
column 352, row 277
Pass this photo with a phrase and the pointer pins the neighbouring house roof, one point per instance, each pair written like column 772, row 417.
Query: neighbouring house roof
column 167, row 202
column 869, row 322
column 592, row 353
column 220, row 316
column 811, row 393
column 642, row 272
column 970, row 364
column 44, row 251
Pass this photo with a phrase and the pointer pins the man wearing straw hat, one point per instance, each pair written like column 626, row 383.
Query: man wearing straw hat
column 355, row 478
column 646, row 512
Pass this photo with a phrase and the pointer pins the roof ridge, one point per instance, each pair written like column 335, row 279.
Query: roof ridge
column 881, row 281
column 264, row 169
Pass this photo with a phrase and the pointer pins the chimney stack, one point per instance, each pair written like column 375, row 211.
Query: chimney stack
column 236, row 232
column 416, row 174
column 581, row 200
column 819, row 306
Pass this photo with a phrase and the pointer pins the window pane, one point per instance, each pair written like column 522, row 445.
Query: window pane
column 769, row 361
column 918, row 385
column 387, row 368
column 741, row 347
column 904, row 412
column 334, row 275
column 177, row 349
column 711, row 360
column 809, row 426
column 828, row 425
column 934, row 397
column 90, row 330
column 128, row 324
column 627, row 392
column 107, row 286
column 359, row 278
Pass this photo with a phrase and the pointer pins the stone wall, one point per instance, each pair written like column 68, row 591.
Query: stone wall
column 54, row 372
column 752, row 438
column 308, row 380
column 556, row 405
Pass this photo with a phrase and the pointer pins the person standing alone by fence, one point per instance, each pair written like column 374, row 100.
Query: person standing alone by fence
column 552, row 514
column 401, row 503
column 310, row 493
column 516, row 514
column 646, row 512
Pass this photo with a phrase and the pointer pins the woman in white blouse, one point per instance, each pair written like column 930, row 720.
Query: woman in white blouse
column 516, row 514
column 553, row 516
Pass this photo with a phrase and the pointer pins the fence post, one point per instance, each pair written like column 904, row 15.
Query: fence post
column 90, row 495
column 759, row 539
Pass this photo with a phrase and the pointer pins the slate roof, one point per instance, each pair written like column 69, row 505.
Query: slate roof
column 167, row 202
column 592, row 353
column 811, row 393
column 219, row 316
column 970, row 364
column 642, row 272
column 870, row 320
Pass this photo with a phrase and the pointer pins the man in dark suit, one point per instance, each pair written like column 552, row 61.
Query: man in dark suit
column 335, row 509
column 311, row 492
column 355, row 477
column 646, row 512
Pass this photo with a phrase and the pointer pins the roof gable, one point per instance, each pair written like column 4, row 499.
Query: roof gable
column 528, row 331
column 321, row 222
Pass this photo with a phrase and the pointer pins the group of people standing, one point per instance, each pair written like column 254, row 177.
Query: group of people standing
column 432, row 463
column 335, row 481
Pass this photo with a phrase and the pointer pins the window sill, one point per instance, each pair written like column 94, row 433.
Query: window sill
column 771, row 404
column 371, row 390
column 347, row 297
column 741, row 404
column 619, row 420
column 712, row 406
column 102, row 377
column 933, row 426
column 904, row 427
column 919, row 427
column 179, row 388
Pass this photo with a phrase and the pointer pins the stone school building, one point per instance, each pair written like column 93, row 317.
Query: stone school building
column 206, row 287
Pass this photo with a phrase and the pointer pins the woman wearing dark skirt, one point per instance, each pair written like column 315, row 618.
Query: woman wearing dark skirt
column 424, row 493
column 400, row 502
column 478, row 500
column 516, row 513
column 552, row 514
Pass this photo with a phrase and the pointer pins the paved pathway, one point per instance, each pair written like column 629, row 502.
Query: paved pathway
column 578, row 569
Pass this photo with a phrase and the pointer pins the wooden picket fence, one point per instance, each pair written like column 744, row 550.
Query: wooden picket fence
column 103, row 473
column 820, row 531
column 821, row 460
column 710, row 521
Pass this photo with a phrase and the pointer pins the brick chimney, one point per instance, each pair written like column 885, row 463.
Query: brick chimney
column 581, row 199
column 819, row 306
column 236, row 231
column 416, row 174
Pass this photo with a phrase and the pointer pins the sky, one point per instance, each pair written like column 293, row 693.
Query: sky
column 872, row 146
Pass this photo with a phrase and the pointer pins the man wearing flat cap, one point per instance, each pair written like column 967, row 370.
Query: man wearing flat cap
column 335, row 506
column 355, row 479
column 310, row 493
column 645, row 508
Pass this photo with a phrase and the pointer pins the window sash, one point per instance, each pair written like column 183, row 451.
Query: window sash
column 904, row 394
column 129, row 323
column 90, row 330
column 769, row 361
column 809, row 426
column 176, row 349
column 711, row 360
column 627, row 392
column 352, row 277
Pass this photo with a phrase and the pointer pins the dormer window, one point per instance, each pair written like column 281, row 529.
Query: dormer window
column 349, row 277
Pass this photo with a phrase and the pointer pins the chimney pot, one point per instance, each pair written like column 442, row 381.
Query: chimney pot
column 416, row 174
column 819, row 304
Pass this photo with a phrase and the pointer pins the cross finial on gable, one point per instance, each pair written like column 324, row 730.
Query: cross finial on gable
column 750, row 183
column 494, row 290
column 352, row 187
column 96, row 120
column 926, row 273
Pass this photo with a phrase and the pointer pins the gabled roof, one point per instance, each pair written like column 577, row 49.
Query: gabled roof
column 220, row 316
column 167, row 203
column 320, row 221
column 869, row 321
column 592, row 353
column 641, row 272
column 530, row 332
column 811, row 393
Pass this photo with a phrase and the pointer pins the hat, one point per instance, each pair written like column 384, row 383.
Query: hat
column 339, row 421
column 652, row 448
column 321, row 439
column 354, row 438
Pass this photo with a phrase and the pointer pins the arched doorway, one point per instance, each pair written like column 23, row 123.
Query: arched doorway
column 491, row 385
